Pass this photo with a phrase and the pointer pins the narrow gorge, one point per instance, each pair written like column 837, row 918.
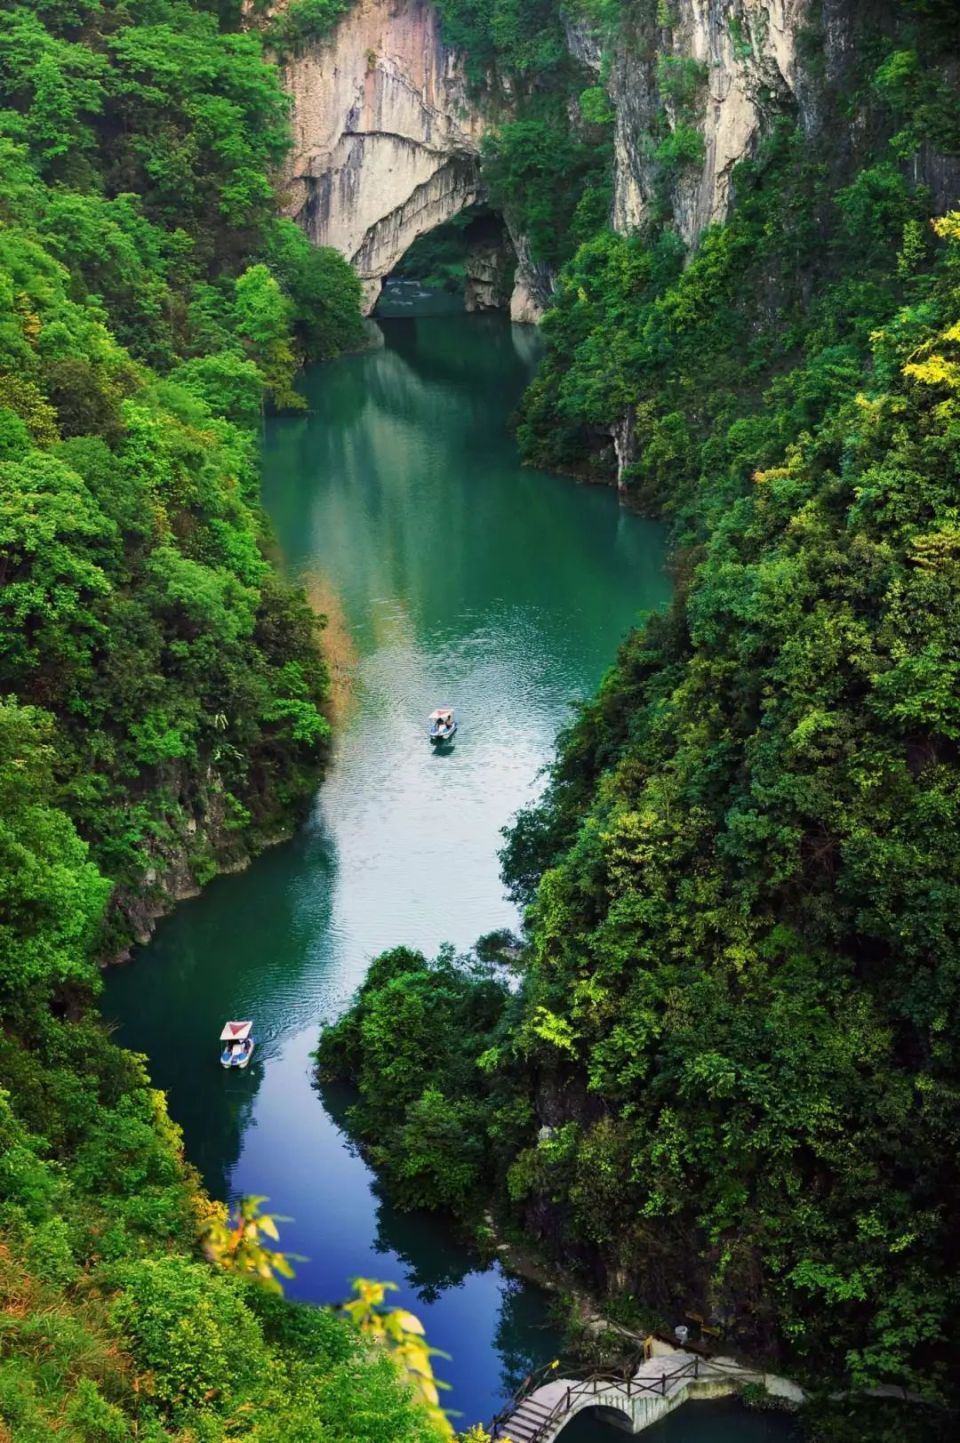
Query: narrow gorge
column 387, row 142
column 312, row 315
column 387, row 127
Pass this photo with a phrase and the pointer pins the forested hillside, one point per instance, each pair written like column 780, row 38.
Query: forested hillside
column 161, row 700
column 729, row 1080
column 153, row 304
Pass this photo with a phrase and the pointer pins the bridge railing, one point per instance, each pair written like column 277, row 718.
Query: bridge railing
column 536, row 1379
column 604, row 1383
column 595, row 1383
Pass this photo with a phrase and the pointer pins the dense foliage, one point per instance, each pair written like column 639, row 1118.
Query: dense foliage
column 729, row 1080
column 410, row 1044
column 546, row 163
column 151, row 302
column 160, row 694
column 744, row 941
column 111, row 1326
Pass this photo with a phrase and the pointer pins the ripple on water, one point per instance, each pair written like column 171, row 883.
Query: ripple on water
column 458, row 577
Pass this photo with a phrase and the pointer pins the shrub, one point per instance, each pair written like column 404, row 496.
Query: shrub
column 681, row 149
column 96, row 1420
column 192, row 1329
column 48, row 1252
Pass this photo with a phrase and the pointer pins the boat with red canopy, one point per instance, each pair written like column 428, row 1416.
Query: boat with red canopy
column 443, row 724
column 238, row 1044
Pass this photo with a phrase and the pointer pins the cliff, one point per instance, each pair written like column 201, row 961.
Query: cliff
column 387, row 144
column 696, row 85
column 387, row 133
column 386, row 140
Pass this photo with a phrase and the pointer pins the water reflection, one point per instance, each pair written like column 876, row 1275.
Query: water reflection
column 431, row 1255
column 720, row 1421
column 461, row 578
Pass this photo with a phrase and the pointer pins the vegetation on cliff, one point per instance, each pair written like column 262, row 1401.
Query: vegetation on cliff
column 153, row 303
column 547, row 160
column 729, row 1077
column 160, row 694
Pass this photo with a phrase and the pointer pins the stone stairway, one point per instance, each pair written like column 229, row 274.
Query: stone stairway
column 528, row 1420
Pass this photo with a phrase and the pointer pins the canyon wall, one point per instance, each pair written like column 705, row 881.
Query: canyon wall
column 386, row 140
column 387, row 144
column 755, row 60
column 746, row 55
column 387, row 134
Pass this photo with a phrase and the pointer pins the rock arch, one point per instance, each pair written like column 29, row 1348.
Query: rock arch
column 386, row 137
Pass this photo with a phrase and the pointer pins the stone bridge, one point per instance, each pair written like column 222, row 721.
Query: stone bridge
column 655, row 1388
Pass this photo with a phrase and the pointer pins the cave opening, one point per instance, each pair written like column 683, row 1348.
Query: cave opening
column 467, row 263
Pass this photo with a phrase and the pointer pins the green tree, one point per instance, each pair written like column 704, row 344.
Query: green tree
column 262, row 316
column 52, row 895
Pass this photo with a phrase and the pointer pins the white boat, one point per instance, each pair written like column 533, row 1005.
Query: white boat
column 238, row 1045
column 443, row 724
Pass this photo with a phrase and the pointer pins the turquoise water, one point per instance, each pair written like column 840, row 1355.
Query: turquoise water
column 453, row 576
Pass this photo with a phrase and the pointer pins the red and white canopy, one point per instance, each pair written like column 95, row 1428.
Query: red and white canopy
column 442, row 713
column 235, row 1031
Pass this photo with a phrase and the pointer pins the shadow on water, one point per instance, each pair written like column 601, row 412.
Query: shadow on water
column 720, row 1421
column 433, row 1258
column 217, row 956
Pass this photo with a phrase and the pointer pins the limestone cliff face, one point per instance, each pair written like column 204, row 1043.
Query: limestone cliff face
column 756, row 59
column 387, row 144
column 745, row 62
column 747, row 54
column 386, row 141
column 387, row 134
column 490, row 265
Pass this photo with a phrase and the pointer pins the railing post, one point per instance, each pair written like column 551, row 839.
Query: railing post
column 696, row 1367
column 663, row 1384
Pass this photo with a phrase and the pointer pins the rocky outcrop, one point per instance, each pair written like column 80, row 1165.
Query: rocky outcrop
column 746, row 54
column 387, row 133
column 533, row 284
column 490, row 265
column 195, row 839
column 484, row 286
column 387, row 145
column 386, row 138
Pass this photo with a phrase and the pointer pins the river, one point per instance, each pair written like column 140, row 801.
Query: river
column 452, row 575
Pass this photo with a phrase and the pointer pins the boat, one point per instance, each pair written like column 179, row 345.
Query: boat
column 443, row 724
column 238, row 1045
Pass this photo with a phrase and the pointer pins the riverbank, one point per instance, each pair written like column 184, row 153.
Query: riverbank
column 401, row 489
column 339, row 648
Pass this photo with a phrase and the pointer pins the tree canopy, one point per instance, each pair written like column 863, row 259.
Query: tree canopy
column 728, row 1079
